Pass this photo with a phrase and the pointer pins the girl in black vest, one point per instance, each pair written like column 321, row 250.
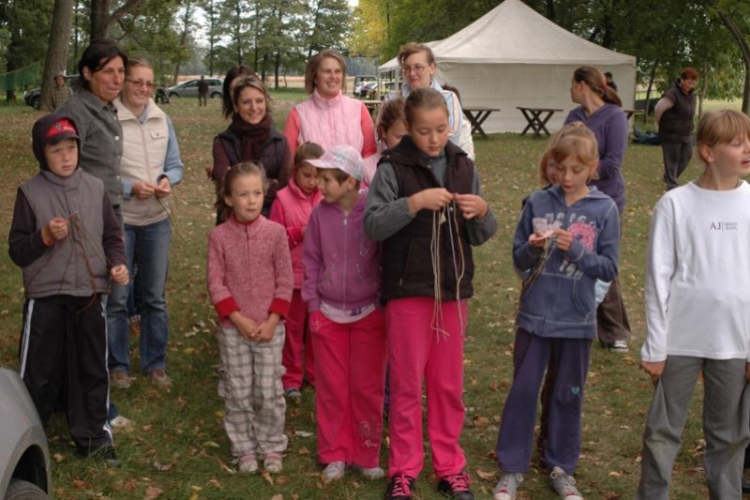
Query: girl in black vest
column 426, row 206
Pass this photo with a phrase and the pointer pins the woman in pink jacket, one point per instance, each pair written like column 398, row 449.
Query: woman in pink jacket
column 292, row 209
column 328, row 117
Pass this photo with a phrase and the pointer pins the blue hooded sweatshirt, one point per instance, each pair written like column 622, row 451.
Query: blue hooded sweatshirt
column 560, row 302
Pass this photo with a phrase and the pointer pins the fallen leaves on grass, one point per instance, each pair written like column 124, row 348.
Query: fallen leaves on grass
column 268, row 477
column 152, row 492
column 487, row 476
column 80, row 485
column 303, row 451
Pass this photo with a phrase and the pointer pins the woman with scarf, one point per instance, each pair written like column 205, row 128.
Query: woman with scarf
column 252, row 137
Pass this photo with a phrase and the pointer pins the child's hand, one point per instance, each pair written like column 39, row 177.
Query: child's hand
column 143, row 190
column 163, row 188
column 471, row 205
column 56, row 229
column 209, row 170
column 656, row 368
column 246, row 326
column 266, row 330
column 430, row 199
column 120, row 274
column 539, row 238
column 564, row 239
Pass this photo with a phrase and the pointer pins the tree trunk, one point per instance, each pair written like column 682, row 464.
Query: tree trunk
column 648, row 91
column 101, row 19
column 57, row 54
column 739, row 37
column 183, row 36
column 314, row 28
column 704, row 89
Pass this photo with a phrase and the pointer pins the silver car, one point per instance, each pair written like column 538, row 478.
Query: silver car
column 24, row 454
column 190, row 88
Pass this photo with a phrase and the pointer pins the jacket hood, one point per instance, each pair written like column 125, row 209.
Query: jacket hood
column 39, row 132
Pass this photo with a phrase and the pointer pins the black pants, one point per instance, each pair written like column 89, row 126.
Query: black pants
column 63, row 357
column 676, row 156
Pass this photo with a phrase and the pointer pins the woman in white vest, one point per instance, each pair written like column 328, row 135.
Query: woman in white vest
column 149, row 168
column 330, row 118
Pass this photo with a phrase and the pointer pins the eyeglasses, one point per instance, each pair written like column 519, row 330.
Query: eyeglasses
column 417, row 68
column 141, row 83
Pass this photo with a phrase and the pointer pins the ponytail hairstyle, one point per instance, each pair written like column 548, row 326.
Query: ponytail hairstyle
column 594, row 80
column 721, row 127
column 306, row 151
column 226, row 186
column 576, row 140
column 424, row 98
column 390, row 113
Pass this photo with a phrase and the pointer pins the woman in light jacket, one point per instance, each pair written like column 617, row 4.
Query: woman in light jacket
column 149, row 168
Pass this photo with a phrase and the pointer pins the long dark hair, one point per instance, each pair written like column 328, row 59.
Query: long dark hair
column 595, row 81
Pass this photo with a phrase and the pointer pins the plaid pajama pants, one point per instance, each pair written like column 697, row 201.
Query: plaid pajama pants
column 250, row 385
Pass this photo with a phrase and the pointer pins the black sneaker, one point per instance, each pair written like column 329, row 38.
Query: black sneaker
column 400, row 488
column 456, row 486
column 107, row 453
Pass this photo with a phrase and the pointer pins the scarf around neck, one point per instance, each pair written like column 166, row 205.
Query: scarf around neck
column 252, row 137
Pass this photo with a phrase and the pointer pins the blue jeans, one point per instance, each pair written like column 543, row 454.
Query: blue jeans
column 149, row 247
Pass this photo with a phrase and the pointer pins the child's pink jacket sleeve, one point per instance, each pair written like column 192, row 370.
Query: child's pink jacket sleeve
column 293, row 233
column 221, row 297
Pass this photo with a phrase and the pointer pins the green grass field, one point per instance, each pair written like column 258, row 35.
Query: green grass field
column 177, row 448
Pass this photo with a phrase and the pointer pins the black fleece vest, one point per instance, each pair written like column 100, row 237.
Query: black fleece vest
column 407, row 259
column 676, row 124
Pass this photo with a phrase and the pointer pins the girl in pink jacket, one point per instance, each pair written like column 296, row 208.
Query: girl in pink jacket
column 341, row 288
column 292, row 209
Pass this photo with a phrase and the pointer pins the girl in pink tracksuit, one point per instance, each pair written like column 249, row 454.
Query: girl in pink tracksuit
column 341, row 288
column 292, row 209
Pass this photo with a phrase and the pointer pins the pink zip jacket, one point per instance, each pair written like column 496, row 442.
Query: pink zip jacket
column 292, row 209
column 342, row 265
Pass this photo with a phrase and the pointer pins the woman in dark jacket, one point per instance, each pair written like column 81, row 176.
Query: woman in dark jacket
column 252, row 137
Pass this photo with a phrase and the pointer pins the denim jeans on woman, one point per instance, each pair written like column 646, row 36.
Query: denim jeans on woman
column 149, row 247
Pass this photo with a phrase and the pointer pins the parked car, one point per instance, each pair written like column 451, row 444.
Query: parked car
column 33, row 97
column 190, row 88
column 365, row 85
column 24, row 454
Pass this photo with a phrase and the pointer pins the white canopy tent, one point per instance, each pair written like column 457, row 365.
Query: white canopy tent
column 513, row 56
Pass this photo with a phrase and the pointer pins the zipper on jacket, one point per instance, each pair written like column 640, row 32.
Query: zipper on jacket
column 346, row 266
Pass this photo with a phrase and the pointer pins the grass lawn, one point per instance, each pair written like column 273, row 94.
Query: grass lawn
column 177, row 447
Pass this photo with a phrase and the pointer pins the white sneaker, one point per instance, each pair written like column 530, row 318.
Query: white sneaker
column 507, row 486
column 564, row 485
column 333, row 471
column 272, row 463
column 371, row 473
column 248, row 464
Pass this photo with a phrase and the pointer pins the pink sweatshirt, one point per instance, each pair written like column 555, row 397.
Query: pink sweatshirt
column 292, row 210
column 249, row 269
column 342, row 265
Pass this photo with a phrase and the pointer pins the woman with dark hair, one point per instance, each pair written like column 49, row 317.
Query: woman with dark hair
column 102, row 71
column 233, row 76
column 150, row 167
column 329, row 117
column 600, row 110
column 674, row 114
column 251, row 137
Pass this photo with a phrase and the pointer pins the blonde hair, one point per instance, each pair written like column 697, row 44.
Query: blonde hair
column 547, row 157
column 250, row 82
column 721, row 127
column 314, row 63
column 226, row 186
column 575, row 140
column 424, row 98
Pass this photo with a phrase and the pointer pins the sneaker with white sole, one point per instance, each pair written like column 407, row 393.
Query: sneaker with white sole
column 248, row 464
column 564, row 485
column 618, row 346
column 507, row 486
column 293, row 395
column 333, row 471
column 371, row 473
column 272, row 463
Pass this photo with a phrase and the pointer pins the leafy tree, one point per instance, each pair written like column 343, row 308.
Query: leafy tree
column 102, row 17
column 59, row 38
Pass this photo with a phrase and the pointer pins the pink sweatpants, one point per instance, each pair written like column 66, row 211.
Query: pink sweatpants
column 350, row 374
column 417, row 351
column 297, row 341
